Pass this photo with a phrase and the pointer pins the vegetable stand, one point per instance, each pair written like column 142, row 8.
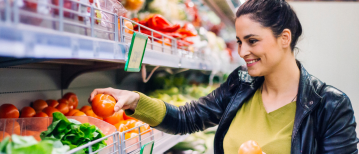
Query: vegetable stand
column 51, row 47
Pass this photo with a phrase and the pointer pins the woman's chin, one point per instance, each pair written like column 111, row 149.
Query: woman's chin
column 254, row 73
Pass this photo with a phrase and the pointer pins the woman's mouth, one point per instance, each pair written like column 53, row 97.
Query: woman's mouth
column 252, row 62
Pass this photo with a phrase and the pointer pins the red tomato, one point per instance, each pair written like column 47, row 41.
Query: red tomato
column 27, row 112
column 250, row 147
column 72, row 112
column 39, row 105
column 121, row 127
column 63, row 108
column 73, row 100
column 130, row 135
column 86, row 108
column 103, row 105
column 8, row 111
column 35, row 134
column 79, row 114
column 92, row 114
column 12, row 127
column 41, row 114
column 3, row 135
column 115, row 118
column 52, row 103
column 49, row 110
column 127, row 117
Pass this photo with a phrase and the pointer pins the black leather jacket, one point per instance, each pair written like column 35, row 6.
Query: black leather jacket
column 324, row 119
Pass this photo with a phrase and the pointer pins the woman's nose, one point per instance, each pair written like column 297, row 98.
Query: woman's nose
column 243, row 51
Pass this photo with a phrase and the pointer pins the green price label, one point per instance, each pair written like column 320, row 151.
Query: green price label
column 147, row 148
column 136, row 52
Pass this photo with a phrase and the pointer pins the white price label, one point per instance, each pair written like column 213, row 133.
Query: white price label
column 136, row 52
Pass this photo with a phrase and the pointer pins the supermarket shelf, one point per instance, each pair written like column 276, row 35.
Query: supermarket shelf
column 167, row 142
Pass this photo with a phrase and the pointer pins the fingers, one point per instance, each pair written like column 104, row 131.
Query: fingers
column 99, row 91
column 119, row 105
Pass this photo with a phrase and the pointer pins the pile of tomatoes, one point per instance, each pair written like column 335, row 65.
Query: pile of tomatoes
column 102, row 108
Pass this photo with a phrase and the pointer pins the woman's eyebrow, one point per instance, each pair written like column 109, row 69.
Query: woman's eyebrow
column 248, row 36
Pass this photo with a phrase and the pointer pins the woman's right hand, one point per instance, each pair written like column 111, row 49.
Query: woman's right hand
column 125, row 99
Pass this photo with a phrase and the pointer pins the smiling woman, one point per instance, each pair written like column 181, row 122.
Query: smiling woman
column 272, row 100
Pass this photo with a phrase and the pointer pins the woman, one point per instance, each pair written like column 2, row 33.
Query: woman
column 273, row 100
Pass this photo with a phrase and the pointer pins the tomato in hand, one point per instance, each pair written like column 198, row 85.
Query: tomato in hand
column 103, row 105
column 72, row 112
column 250, row 147
column 52, row 103
column 41, row 114
column 49, row 110
column 39, row 105
column 86, row 108
column 27, row 112
column 115, row 118
column 73, row 100
column 8, row 111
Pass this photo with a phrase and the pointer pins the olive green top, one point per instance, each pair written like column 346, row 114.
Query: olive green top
column 272, row 131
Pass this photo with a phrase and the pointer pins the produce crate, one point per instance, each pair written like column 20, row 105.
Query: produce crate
column 34, row 126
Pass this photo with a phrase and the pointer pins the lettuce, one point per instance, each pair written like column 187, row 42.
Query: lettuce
column 73, row 133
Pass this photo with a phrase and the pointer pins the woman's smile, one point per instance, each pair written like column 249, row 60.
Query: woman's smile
column 252, row 62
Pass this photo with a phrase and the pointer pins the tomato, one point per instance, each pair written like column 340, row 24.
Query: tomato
column 35, row 134
column 72, row 112
column 41, row 114
column 92, row 114
column 121, row 127
column 49, row 110
column 127, row 117
column 12, row 127
column 130, row 135
column 27, row 112
column 131, row 124
column 250, row 147
column 79, row 114
column 63, row 100
column 3, row 135
column 63, row 108
column 8, row 111
column 73, row 100
column 85, row 108
column 103, row 105
column 52, row 103
column 143, row 129
column 128, row 25
column 39, row 105
column 115, row 118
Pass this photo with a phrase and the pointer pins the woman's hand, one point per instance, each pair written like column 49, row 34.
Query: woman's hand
column 125, row 99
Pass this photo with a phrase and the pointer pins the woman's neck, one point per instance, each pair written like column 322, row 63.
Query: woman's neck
column 284, row 80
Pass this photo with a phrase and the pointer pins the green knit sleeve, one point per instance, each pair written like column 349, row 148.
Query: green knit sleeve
column 149, row 110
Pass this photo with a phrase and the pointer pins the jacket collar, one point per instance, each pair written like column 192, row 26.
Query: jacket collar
column 308, row 90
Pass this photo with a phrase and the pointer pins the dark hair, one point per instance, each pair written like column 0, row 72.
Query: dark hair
column 275, row 14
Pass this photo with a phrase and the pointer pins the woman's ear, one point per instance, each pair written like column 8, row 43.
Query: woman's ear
column 286, row 38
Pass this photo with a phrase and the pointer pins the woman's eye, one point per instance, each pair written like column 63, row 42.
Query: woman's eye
column 239, row 42
column 252, row 41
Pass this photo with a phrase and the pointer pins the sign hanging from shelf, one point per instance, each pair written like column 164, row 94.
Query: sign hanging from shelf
column 136, row 52
column 147, row 148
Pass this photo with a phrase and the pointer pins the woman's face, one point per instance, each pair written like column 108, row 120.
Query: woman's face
column 257, row 45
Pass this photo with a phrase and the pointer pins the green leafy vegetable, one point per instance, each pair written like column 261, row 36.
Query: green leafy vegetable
column 73, row 133
column 28, row 145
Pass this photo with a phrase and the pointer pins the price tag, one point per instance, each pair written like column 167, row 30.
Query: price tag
column 136, row 52
column 147, row 148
